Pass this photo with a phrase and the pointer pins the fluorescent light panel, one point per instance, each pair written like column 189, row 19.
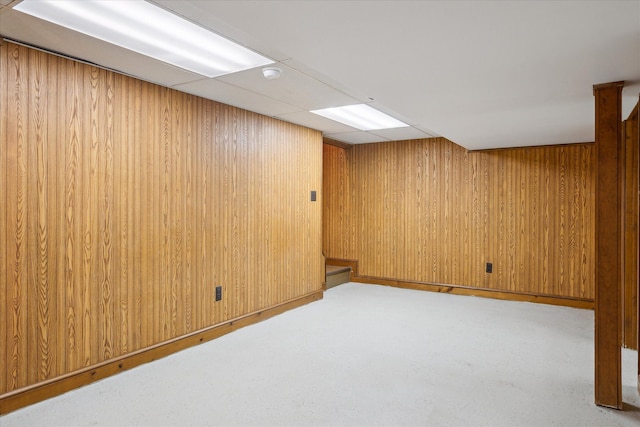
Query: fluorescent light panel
column 360, row 116
column 150, row 30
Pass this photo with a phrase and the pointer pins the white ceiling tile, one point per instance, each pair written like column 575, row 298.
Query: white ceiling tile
column 361, row 98
column 236, row 96
column 429, row 132
column 292, row 87
column 399, row 134
column 360, row 137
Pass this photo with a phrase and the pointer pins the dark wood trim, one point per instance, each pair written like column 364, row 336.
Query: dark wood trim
column 353, row 263
column 38, row 392
column 612, row 85
column 608, row 318
column 335, row 143
column 629, row 218
column 478, row 292
column 584, row 303
column 634, row 111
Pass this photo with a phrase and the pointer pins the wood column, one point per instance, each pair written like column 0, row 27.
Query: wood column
column 636, row 131
column 630, row 232
column 608, row 307
column 633, row 133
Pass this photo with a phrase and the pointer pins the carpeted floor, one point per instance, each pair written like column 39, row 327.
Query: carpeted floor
column 367, row 355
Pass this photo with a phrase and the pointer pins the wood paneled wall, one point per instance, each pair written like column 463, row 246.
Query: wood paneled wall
column 630, row 231
column 338, row 234
column 123, row 204
column 429, row 211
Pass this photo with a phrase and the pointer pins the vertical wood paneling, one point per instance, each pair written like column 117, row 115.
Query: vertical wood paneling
column 630, row 231
column 147, row 221
column 121, row 240
column 17, row 338
column 336, row 203
column 108, row 289
column 88, row 115
column 429, row 211
column 72, row 231
column 189, row 218
column 124, row 204
column 46, row 289
column 4, row 264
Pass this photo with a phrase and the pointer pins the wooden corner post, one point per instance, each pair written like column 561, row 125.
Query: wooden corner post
column 608, row 306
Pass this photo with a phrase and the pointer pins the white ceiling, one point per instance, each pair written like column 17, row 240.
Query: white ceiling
column 484, row 74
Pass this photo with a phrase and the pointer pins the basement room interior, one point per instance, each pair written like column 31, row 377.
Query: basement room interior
column 345, row 213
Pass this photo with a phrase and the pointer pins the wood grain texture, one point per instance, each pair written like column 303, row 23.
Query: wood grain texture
column 428, row 211
column 46, row 389
column 630, row 232
column 608, row 286
column 125, row 203
column 477, row 292
column 5, row 267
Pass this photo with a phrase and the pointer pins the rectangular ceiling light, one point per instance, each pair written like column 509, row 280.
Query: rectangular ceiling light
column 360, row 116
column 150, row 30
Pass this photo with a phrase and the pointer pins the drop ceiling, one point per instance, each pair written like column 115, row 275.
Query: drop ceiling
column 484, row 74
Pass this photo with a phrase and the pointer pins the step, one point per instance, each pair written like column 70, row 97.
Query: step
column 337, row 275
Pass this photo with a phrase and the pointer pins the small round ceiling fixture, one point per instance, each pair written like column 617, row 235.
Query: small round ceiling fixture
column 271, row 73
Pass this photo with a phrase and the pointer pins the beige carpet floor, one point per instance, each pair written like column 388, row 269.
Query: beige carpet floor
column 367, row 355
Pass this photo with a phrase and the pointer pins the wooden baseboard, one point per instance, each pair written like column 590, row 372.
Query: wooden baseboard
column 479, row 292
column 584, row 303
column 38, row 392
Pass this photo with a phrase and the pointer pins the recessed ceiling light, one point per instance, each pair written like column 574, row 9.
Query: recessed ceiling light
column 360, row 116
column 150, row 30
